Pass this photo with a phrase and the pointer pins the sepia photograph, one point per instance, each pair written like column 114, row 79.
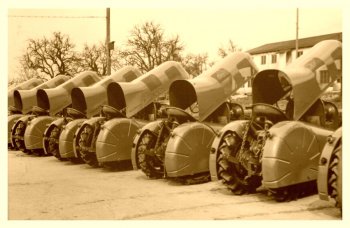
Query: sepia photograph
column 173, row 111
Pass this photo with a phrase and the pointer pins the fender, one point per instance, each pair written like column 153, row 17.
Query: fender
column 323, row 166
column 152, row 126
column 67, row 136
column 291, row 153
column 33, row 136
column 187, row 152
column 114, row 142
column 235, row 126
column 90, row 121
column 11, row 120
column 56, row 123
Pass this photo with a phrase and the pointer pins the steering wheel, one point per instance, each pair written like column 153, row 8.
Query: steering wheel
column 39, row 111
column 271, row 112
column 74, row 113
column 178, row 112
column 113, row 112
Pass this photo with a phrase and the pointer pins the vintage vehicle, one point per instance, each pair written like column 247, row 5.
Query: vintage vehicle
column 29, row 84
column 28, row 131
column 178, row 147
column 329, row 179
column 24, row 100
column 107, row 140
column 279, row 147
column 86, row 103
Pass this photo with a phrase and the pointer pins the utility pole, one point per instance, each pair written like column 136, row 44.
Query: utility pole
column 108, row 51
column 297, row 31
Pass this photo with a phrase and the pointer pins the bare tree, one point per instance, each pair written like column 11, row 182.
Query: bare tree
column 147, row 47
column 94, row 58
column 50, row 57
column 195, row 64
column 231, row 47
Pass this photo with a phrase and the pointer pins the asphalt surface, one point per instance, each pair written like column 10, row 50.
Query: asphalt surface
column 44, row 188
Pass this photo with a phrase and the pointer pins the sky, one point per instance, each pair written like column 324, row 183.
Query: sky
column 201, row 29
column 202, row 25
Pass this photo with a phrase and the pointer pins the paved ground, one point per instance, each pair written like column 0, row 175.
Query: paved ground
column 45, row 188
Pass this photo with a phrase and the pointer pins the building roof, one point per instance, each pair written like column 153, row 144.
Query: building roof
column 290, row 44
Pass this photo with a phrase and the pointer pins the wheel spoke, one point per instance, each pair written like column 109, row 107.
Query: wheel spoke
column 152, row 167
column 233, row 174
column 86, row 142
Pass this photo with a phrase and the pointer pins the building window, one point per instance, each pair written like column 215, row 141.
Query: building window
column 273, row 58
column 263, row 59
column 324, row 77
column 299, row 53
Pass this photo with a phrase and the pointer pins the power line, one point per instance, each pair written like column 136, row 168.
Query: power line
column 68, row 17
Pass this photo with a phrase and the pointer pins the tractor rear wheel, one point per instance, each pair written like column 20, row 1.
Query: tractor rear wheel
column 52, row 145
column 335, row 176
column 18, row 136
column 86, row 141
column 232, row 173
column 150, row 165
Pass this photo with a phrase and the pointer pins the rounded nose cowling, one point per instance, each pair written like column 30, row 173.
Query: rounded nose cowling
column 24, row 100
column 89, row 99
column 53, row 100
column 29, row 84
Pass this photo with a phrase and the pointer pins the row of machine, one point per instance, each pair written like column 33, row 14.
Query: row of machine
column 288, row 140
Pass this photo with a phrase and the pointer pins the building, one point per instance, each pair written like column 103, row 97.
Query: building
column 280, row 54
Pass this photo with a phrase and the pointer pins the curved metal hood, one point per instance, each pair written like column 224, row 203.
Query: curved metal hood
column 56, row 99
column 214, row 86
column 89, row 100
column 136, row 95
column 25, row 99
column 29, row 84
column 300, row 77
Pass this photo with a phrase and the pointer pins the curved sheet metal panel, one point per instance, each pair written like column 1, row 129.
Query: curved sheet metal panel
column 56, row 99
column 89, row 100
column 300, row 77
column 29, row 84
column 291, row 155
column 25, row 99
column 136, row 95
column 214, row 86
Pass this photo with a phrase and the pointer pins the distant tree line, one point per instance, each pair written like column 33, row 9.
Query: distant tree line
column 146, row 47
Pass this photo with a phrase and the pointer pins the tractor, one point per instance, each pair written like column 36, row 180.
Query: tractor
column 24, row 100
column 178, row 147
column 86, row 103
column 107, row 140
column 279, row 147
column 29, row 130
